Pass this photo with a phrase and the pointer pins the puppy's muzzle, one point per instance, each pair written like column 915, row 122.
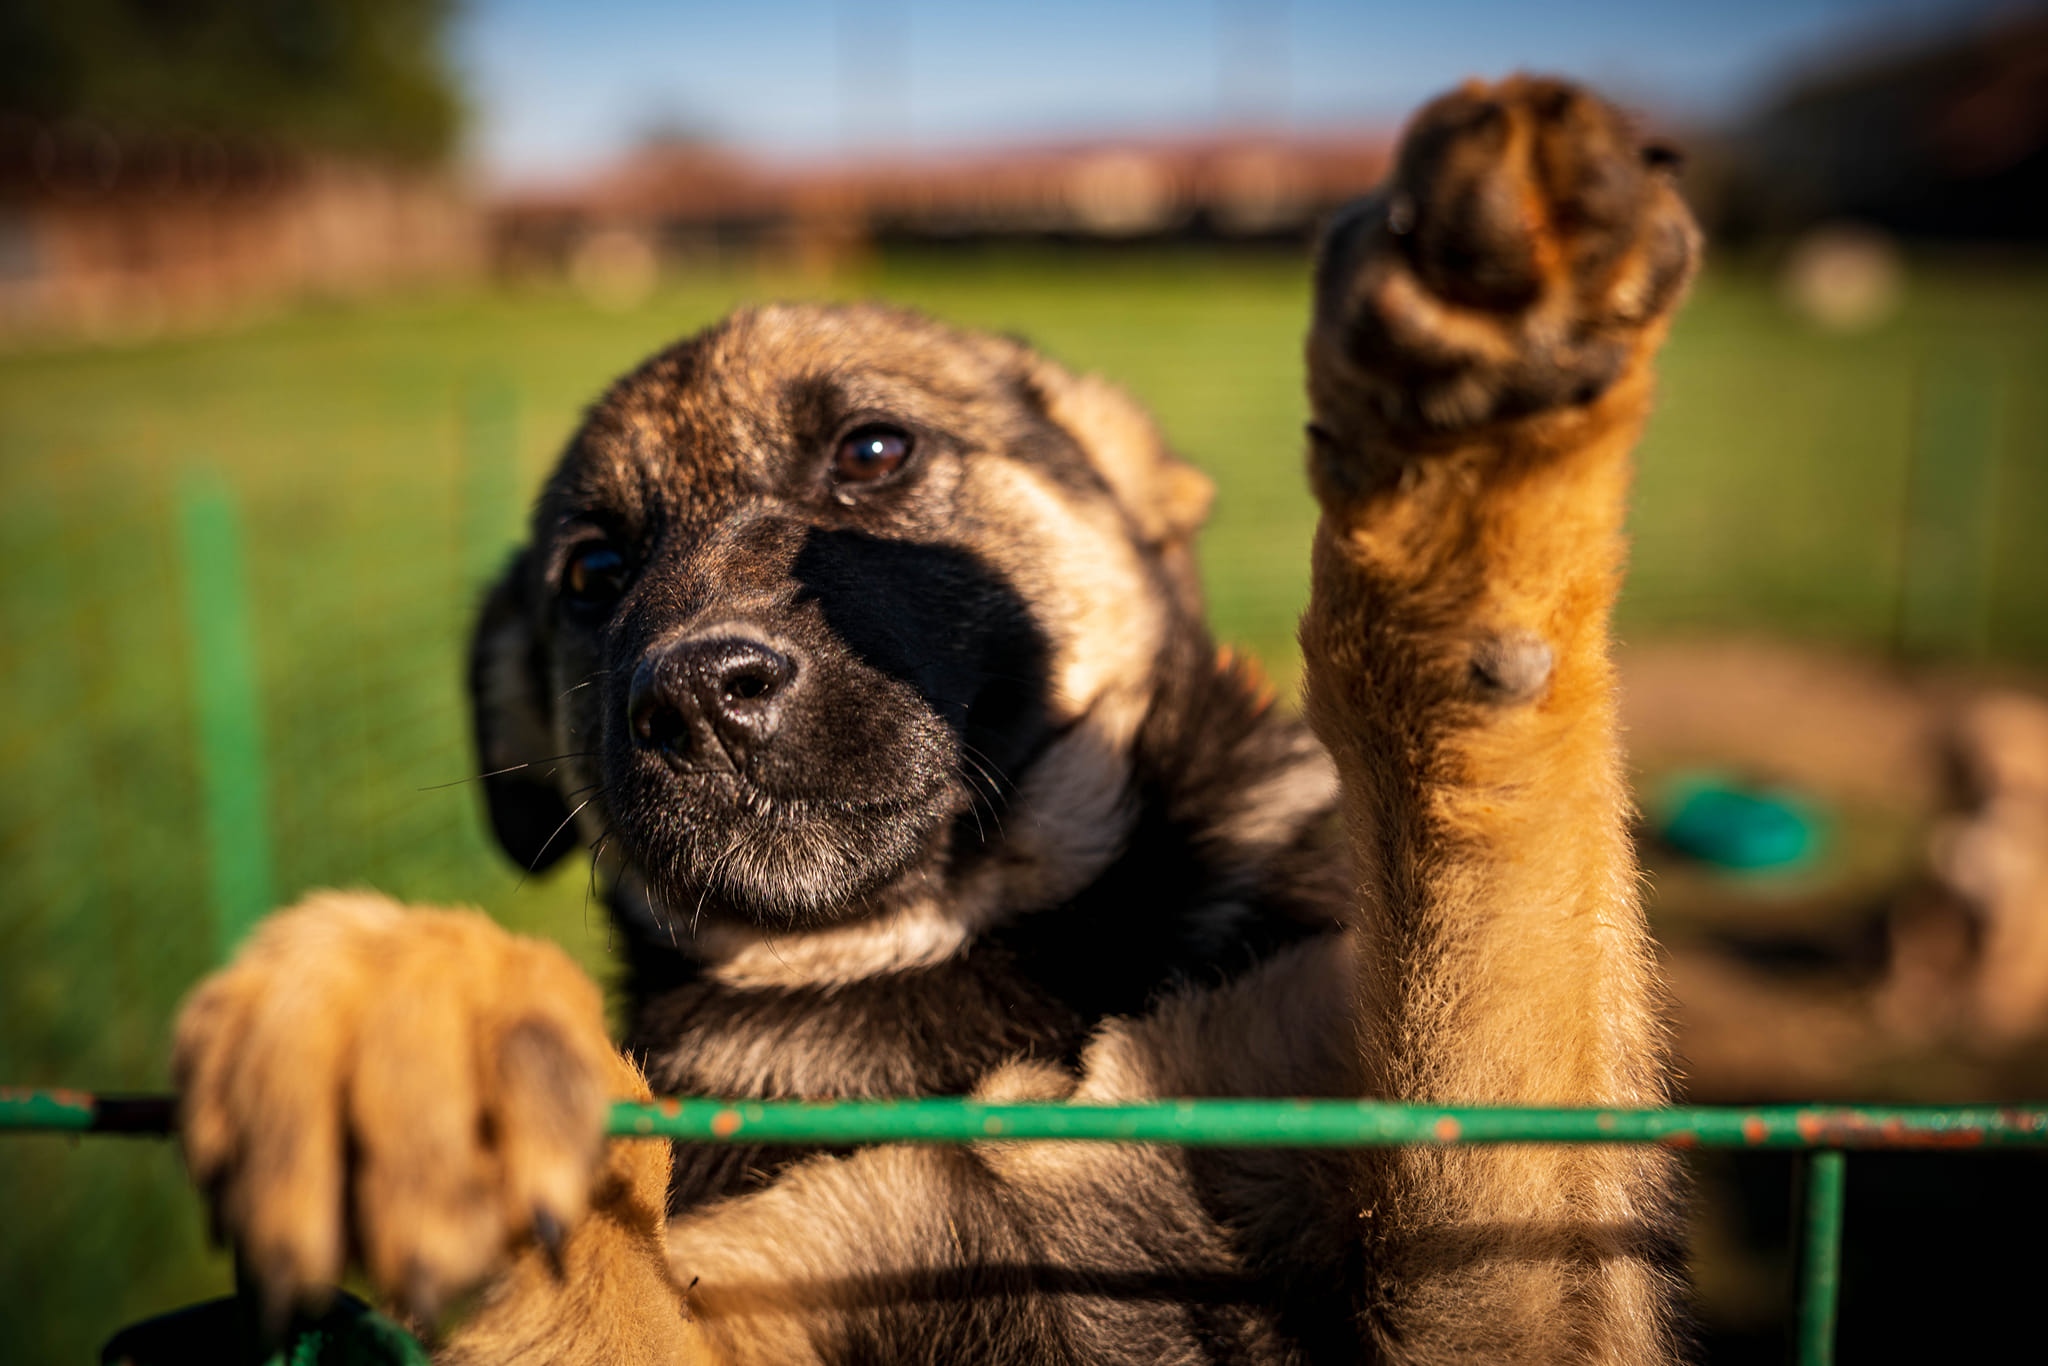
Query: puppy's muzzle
column 709, row 701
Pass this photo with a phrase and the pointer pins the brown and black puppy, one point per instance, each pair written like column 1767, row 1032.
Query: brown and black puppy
column 869, row 657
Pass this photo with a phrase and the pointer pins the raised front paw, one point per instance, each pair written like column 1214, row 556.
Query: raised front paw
column 416, row 1089
column 1524, row 247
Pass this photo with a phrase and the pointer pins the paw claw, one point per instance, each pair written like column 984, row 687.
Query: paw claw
column 1662, row 156
column 281, row 1296
column 1400, row 213
column 547, row 1231
column 421, row 1296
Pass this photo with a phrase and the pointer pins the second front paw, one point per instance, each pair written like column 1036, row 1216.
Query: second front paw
column 417, row 1090
column 1523, row 250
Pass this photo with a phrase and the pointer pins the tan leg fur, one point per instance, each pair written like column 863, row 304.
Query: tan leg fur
column 1479, row 372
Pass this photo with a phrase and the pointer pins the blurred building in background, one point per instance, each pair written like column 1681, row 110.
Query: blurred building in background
column 105, row 233
column 1941, row 138
column 175, row 164
column 682, row 201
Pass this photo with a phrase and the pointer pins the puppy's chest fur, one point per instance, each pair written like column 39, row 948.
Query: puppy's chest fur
column 936, row 1030
column 1189, row 907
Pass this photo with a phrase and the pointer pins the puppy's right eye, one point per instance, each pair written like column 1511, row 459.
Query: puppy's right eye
column 871, row 454
column 594, row 577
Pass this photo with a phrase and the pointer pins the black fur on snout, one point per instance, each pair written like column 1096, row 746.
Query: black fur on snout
column 864, row 712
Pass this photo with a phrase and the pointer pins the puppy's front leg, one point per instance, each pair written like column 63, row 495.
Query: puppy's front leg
column 1479, row 369
column 423, row 1093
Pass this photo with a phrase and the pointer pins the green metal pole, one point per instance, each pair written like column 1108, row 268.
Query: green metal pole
column 1206, row 1121
column 1820, row 1255
column 234, row 790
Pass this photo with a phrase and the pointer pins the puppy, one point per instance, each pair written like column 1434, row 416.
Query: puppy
column 869, row 655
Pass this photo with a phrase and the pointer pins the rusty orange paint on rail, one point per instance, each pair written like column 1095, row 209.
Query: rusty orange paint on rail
column 1832, row 1128
column 2027, row 1121
column 84, row 1100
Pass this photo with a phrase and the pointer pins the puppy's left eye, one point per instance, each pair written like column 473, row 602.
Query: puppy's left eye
column 594, row 577
column 869, row 454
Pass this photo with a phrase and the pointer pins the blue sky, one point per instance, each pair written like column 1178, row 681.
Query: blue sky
column 561, row 87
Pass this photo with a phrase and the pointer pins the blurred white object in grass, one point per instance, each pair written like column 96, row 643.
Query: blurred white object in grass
column 1844, row 277
column 1122, row 194
column 1995, row 856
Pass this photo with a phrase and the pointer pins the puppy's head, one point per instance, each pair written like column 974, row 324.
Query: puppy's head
column 823, row 603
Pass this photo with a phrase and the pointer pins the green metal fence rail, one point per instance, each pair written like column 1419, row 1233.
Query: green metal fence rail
column 1199, row 1122
column 1823, row 1135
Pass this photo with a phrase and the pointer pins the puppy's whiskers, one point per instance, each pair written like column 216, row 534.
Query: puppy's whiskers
column 996, row 786
column 544, row 845
column 578, row 687
column 739, row 838
column 510, row 768
column 596, row 858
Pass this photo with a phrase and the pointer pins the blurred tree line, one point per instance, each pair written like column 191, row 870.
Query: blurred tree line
column 355, row 76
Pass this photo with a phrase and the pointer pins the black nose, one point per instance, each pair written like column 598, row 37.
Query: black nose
column 705, row 698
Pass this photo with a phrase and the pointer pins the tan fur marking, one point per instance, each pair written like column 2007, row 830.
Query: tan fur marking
column 770, row 1274
column 1070, row 819
column 1098, row 603
column 1272, row 812
column 1169, row 500
column 921, row 934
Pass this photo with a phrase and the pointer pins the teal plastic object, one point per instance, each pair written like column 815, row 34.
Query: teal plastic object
column 1729, row 824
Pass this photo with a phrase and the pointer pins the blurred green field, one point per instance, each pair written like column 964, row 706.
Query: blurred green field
column 1876, row 490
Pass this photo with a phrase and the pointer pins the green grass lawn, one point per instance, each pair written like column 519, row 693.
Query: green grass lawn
column 382, row 455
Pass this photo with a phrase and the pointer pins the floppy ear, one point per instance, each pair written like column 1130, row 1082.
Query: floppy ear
column 1166, row 497
column 509, row 717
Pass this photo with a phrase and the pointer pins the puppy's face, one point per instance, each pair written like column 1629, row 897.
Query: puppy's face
column 820, row 601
